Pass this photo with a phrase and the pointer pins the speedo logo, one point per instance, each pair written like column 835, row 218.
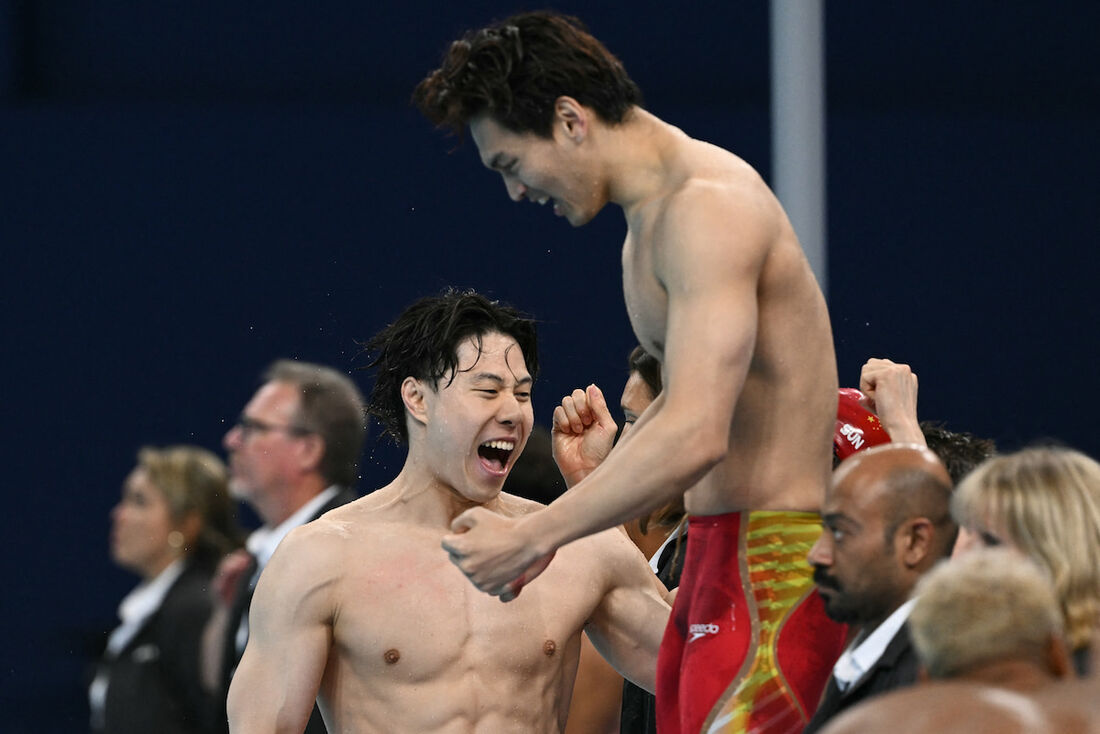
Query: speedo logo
column 701, row 630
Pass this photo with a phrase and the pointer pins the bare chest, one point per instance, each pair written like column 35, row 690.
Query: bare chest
column 645, row 295
column 411, row 616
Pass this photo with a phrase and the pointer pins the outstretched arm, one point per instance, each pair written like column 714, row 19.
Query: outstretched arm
column 290, row 633
column 708, row 261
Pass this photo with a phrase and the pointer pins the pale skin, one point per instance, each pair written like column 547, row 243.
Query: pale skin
column 717, row 288
column 891, row 390
column 141, row 524
column 360, row 609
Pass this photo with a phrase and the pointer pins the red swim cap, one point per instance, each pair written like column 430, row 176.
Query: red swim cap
column 856, row 427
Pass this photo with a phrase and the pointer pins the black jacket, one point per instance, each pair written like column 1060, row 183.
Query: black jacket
column 153, row 682
column 896, row 668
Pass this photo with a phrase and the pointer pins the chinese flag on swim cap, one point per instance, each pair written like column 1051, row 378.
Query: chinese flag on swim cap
column 856, row 427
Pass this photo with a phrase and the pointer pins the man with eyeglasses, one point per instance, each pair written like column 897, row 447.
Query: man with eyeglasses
column 293, row 456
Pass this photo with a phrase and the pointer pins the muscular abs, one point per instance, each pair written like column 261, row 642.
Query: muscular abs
column 416, row 648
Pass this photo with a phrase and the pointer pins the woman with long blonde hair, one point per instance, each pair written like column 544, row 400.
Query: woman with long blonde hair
column 1044, row 502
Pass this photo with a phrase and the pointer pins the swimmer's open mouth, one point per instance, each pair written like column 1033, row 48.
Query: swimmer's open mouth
column 497, row 452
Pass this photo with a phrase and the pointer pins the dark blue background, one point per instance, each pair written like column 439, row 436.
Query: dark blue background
column 190, row 190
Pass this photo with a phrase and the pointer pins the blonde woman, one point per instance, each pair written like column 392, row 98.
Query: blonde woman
column 173, row 524
column 1044, row 502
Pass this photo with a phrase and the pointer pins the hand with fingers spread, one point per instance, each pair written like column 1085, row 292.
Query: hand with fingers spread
column 891, row 390
column 583, row 433
column 493, row 552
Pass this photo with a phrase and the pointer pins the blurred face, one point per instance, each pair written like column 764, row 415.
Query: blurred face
column 262, row 445
column 636, row 398
column 479, row 423
column 140, row 524
column 540, row 170
column 980, row 535
column 856, row 570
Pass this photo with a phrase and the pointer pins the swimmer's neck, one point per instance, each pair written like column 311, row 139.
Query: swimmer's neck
column 638, row 156
column 428, row 501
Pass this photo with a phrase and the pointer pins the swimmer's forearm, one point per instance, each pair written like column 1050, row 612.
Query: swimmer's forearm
column 662, row 459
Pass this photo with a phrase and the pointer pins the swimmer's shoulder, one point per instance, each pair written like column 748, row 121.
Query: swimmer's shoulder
column 511, row 505
column 349, row 523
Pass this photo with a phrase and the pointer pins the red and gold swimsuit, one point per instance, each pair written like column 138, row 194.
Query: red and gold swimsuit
column 748, row 647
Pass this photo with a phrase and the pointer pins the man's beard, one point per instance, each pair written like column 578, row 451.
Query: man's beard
column 836, row 607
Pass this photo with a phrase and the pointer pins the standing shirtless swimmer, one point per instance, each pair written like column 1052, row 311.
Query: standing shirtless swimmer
column 716, row 287
column 361, row 606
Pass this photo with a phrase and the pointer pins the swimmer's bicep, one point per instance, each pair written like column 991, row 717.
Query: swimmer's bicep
column 629, row 622
column 710, row 270
column 628, row 633
column 708, row 236
column 292, row 609
column 288, row 643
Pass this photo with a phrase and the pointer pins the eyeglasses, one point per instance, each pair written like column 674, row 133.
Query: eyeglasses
column 252, row 426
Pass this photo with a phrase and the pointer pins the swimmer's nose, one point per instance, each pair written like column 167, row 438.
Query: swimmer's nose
column 516, row 190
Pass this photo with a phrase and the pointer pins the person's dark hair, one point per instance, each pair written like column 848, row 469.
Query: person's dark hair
column 647, row 367
column 959, row 451
column 423, row 343
column 331, row 406
column 517, row 68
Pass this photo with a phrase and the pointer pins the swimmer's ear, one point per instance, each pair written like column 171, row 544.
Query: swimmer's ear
column 414, row 395
column 571, row 118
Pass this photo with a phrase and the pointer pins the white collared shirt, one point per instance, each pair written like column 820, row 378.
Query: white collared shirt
column 656, row 557
column 263, row 542
column 854, row 663
column 134, row 610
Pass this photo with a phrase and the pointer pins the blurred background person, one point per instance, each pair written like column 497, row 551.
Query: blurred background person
column 1044, row 502
column 293, row 456
column 989, row 637
column 173, row 525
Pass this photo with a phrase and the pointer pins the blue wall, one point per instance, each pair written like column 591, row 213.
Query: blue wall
column 189, row 192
